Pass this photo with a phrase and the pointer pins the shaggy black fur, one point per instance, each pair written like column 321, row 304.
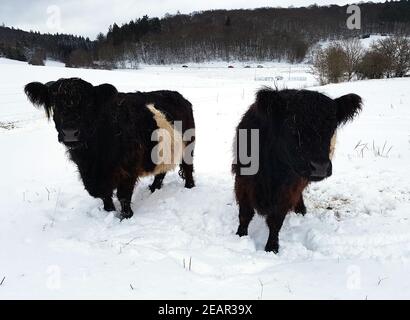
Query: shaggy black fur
column 114, row 133
column 295, row 130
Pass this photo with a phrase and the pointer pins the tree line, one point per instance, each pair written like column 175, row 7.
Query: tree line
column 21, row 45
column 260, row 34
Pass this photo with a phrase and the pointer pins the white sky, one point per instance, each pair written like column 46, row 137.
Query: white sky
column 89, row 17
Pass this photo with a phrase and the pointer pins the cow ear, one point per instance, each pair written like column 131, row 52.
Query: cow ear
column 104, row 92
column 269, row 102
column 39, row 96
column 348, row 107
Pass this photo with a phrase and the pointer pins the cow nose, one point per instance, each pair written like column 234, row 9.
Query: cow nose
column 321, row 169
column 71, row 135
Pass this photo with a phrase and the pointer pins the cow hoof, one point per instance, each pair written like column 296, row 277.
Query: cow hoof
column 189, row 185
column 301, row 211
column 242, row 232
column 127, row 214
column 153, row 188
column 272, row 248
column 109, row 208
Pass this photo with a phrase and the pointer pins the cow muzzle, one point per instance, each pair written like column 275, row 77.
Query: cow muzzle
column 320, row 170
column 70, row 135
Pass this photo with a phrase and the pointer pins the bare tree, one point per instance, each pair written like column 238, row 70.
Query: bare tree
column 373, row 65
column 354, row 52
column 80, row 58
column 319, row 65
column 38, row 57
column 330, row 64
column 397, row 49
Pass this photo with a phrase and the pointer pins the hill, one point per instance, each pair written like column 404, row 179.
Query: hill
column 259, row 34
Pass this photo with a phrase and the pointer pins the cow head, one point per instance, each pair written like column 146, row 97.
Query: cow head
column 74, row 105
column 305, row 123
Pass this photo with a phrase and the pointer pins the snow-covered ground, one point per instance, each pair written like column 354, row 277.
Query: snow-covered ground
column 57, row 242
column 54, row 63
column 366, row 43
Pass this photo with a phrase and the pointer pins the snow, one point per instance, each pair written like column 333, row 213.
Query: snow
column 366, row 43
column 9, row 61
column 54, row 63
column 57, row 242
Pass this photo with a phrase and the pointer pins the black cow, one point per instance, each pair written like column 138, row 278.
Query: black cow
column 295, row 132
column 110, row 136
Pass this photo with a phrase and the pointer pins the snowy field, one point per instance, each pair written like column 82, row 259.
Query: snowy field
column 366, row 43
column 57, row 242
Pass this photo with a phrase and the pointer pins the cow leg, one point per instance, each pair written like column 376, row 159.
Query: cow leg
column 186, row 173
column 124, row 194
column 300, row 207
column 108, row 204
column 157, row 184
column 246, row 213
column 274, row 221
column 101, row 190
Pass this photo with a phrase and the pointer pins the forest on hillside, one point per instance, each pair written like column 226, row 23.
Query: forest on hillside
column 258, row 34
column 21, row 45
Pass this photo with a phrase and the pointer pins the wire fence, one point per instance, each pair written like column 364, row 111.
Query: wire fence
column 13, row 100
